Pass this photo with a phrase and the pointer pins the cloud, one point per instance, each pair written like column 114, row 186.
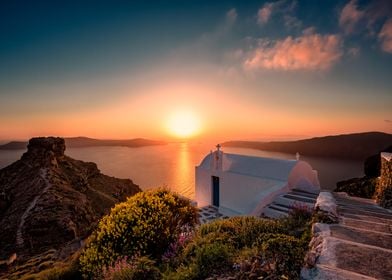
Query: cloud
column 367, row 19
column 375, row 12
column 385, row 36
column 354, row 51
column 291, row 22
column 264, row 14
column 284, row 7
column 350, row 16
column 232, row 15
column 311, row 51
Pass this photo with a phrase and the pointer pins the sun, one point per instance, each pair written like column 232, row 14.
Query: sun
column 183, row 124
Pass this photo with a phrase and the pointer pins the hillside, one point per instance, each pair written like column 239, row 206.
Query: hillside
column 50, row 202
column 357, row 146
column 75, row 142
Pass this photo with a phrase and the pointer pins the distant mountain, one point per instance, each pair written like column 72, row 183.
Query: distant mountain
column 14, row 145
column 348, row 146
column 50, row 202
column 75, row 142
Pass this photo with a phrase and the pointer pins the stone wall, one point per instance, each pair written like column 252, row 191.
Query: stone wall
column 384, row 187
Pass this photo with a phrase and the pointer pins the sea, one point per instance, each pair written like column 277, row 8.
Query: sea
column 173, row 165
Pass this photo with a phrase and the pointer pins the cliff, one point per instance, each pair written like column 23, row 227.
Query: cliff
column 77, row 142
column 48, row 200
column 357, row 146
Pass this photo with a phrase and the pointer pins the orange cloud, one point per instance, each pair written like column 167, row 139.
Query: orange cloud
column 385, row 36
column 308, row 52
column 350, row 16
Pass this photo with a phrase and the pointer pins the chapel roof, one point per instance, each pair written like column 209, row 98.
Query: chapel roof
column 262, row 167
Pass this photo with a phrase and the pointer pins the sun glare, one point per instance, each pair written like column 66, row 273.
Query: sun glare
column 183, row 124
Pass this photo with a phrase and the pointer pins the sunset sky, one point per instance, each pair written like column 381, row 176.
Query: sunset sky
column 223, row 69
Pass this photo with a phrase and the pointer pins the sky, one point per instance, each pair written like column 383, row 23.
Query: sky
column 200, row 69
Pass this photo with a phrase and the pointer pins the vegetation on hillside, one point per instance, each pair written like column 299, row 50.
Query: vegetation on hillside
column 155, row 235
column 145, row 225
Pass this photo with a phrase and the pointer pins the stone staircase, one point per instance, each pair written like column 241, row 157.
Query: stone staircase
column 282, row 204
column 357, row 246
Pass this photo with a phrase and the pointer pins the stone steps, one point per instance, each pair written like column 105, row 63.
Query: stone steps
column 274, row 212
column 282, row 204
column 304, row 193
column 358, row 246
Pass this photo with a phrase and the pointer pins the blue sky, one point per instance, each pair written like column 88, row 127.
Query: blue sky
column 321, row 67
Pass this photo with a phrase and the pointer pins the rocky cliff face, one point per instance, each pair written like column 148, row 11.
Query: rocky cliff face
column 384, row 186
column 369, row 186
column 48, row 199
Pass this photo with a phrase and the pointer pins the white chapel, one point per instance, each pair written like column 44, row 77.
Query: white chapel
column 245, row 185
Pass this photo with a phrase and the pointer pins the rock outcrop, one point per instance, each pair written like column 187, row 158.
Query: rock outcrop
column 384, row 187
column 48, row 199
column 377, row 171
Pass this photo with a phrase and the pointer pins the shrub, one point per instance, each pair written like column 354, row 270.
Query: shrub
column 58, row 272
column 298, row 221
column 362, row 187
column 242, row 231
column 213, row 257
column 183, row 272
column 208, row 259
column 136, row 268
column 146, row 224
column 285, row 255
column 175, row 249
column 243, row 247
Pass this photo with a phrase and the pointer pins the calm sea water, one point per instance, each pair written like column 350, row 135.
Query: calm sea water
column 173, row 165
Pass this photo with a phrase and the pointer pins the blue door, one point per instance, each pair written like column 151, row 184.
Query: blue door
column 215, row 191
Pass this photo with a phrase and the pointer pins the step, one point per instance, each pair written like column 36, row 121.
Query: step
column 304, row 193
column 301, row 198
column 273, row 213
column 279, row 207
column 289, row 202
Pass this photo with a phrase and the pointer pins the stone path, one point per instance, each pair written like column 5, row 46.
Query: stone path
column 359, row 246
column 209, row 213
column 19, row 231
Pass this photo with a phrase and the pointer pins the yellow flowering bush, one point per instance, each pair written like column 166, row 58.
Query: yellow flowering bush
column 146, row 224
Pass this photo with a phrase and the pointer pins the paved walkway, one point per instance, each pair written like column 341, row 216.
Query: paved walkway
column 359, row 246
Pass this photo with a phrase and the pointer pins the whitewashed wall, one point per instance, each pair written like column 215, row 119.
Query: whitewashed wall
column 303, row 177
column 239, row 193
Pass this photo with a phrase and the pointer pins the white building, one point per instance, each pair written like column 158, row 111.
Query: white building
column 244, row 185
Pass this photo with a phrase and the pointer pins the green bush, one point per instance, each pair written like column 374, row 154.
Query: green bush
column 285, row 254
column 213, row 257
column 146, row 224
column 138, row 268
column 242, row 231
column 242, row 247
column 58, row 272
column 183, row 272
column 208, row 258
column 362, row 187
